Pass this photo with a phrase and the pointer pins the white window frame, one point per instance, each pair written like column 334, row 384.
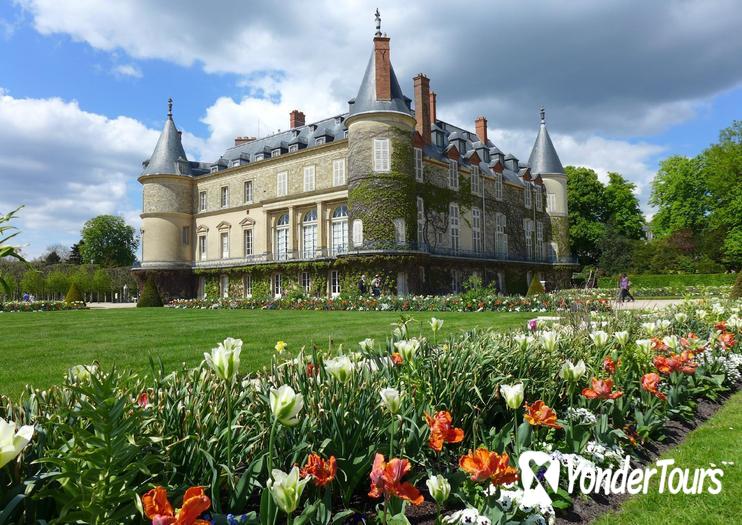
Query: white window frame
column 277, row 285
column 202, row 201
column 235, row 163
column 419, row 164
column 305, row 280
column 248, row 241
column 339, row 233
column 202, row 248
column 527, row 197
column 498, row 186
column 382, row 156
column 357, row 232
column 453, row 226
column 224, row 196
column 309, row 236
column 248, row 191
column 186, row 235
column 453, row 174
column 247, row 286
column 276, row 153
column 334, row 283
column 319, row 141
column 259, row 156
column 455, row 280
column 550, row 202
column 224, row 285
column 214, row 169
column 293, row 148
column 476, row 230
column 309, row 178
column 282, row 183
column 539, row 198
column 420, row 222
column 476, row 181
column 338, row 172
column 281, row 251
column 224, row 244
column 501, row 237
column 539, row 240
column 528, row 232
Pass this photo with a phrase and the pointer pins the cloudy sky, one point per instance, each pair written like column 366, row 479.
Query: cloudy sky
column 84, row 83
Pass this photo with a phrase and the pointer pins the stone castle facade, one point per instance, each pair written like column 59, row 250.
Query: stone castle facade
column 386, row 188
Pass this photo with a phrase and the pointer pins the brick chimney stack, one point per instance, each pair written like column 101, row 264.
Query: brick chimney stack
column 296, row 119
column 433, row 116
column 481, row 126
column 422, row 106
column 238, row 141
column 383, row 68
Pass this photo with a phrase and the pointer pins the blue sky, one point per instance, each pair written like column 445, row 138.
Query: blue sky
column 83, row 85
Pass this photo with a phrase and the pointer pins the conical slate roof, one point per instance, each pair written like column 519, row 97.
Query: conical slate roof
column 168, row 152
column 366, row 100
column 544, row 158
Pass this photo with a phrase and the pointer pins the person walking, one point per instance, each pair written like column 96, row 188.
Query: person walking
column 623, row 288
column 362, row 286
column 376, row 285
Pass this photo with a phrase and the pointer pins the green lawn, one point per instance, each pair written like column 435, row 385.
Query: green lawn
column 715, row 441
column 37, row 348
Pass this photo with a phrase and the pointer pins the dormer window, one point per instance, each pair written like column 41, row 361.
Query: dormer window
column 319, row 140
column 345, row 134
column 276, row 152
column 259, row 156
column 235, row 163
column 293, row 148
column 461, row 146
column 214, row 168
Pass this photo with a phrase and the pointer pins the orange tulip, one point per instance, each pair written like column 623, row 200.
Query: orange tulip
column 483, row 465
column 650, row 383
column 160, row 511
column 727, row 340
column 675, row 363
column 609, row 365
column 397, row 358
column 538, row 414
column 386, row 480
column 322, row 472
column 310, row 369
column 658, row 345
column 601, row 389
column 442, row 430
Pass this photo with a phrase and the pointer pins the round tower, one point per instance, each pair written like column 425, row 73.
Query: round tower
column 381, row 180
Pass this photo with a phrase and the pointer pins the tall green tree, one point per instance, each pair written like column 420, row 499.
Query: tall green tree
column 108, row 241
column 587, row 212
column 622, row 207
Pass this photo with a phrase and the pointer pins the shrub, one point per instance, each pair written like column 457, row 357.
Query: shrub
column 737, row 290
column 74, row 295
column 536, row 288
column 150, row 296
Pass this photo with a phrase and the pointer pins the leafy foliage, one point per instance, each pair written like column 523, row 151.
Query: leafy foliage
column 107, row 240
column 535, row 288
column 73, row 294
column 7, row 250
column 150, row 297
column 737, row 289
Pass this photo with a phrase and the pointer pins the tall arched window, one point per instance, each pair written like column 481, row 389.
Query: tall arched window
column 309, row 234
column 339, row 230
column 282, row 237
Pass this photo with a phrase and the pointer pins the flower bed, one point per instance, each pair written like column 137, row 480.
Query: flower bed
column 640, row 292
column 371, row 433
column 39, row 306
column 415, row 303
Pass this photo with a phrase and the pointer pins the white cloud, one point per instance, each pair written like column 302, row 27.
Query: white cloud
column 127, row 70
column 67, row 165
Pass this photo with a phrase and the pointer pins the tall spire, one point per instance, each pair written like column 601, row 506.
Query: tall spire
column 169, row 157
column 378, row 22
column 544, row 158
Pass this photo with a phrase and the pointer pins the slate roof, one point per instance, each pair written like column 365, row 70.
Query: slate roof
column 544, row 158
column 169, row 156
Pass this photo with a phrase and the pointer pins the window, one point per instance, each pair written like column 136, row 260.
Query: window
column 186, row 235
column 453, row 174
column 319, row 140
column 498, row 186
column 202, row 201
column 309, row 234
column 306, row 282
column 276, row 153
column 338, row 172
column 453, row 227
column 339, row 230
column 235, row 163
column 277, row 285
column 214, row 169
column 202, row 247
column 501, row 238
column 224, row 197
column 334, row 283
column 247, row 285
column 282, row 237
column 248, row 192
column 400, row 234
column 345, row 134
column 225, row 245
column 381, row 155
column 539, row 199
column 476, row 181
column 455, row 281
column 201, row 294
column 357, row 232
column 282, row 183
column 528, row 229
column 420, row 222
column 224, row 286
column 476, row 229
column 539, row 240
column 550, row 202
column 308, row 178
column 527, row 196
column 418, row 164
column 293, row 148
column 259, row 156
column 248, row 242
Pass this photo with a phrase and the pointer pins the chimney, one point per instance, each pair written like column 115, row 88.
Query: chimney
column 433, row 116
column 481, row 126
column 238, row 141
column 422, row 106
column 296, row 119
column 383, row 68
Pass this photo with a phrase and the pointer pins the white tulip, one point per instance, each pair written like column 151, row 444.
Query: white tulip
column 286, row 405
column 286, row 489
column 439, row 488
column 649, row 328
column 663, row 324
column 224, row 360
column 701, row 314
column 513, row 395
column 12, row 442
column 341, row 368
column 621, row 337
column 436, row 324
column 717, row 308
column 391, row 399
column 79, row 373
column 671, row 341
column 681, row 317
column 645, row 345
column 407, row 349
column 367, row 344
column 571, row 372
column 549, row 340
column 600, row 338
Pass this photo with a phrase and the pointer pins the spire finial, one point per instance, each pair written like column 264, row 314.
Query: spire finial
column 543, row 115
column 378, row 22
column 170, row 107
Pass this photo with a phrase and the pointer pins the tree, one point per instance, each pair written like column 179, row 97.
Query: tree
column 101, row 283
column 616, row 251
column 75, row 257
column 33, row 282
column 587, row 212
column 52, row 258
column 57, row 282
column 150, row 297
column 108, row 241
column 622, row 207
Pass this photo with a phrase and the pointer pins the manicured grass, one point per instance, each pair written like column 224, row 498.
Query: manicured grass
column 717, row 440
column 37, row 348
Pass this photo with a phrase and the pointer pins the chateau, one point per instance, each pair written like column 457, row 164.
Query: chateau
column 386, row 188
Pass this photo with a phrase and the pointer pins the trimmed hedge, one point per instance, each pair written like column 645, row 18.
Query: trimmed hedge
column 150, row 296
column 737, row 290
column 671, row 280
column 73, row 295
column 536, row 288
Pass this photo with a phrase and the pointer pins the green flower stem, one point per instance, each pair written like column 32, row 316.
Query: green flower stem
column 228, row 386
column 515, row 431
column 391, row 440
column 270, row 445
